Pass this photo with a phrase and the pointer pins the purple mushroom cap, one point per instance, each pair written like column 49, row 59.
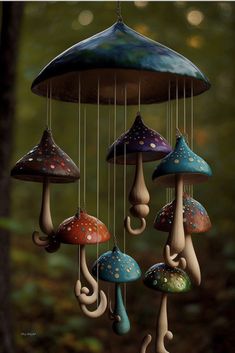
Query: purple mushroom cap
column 139, row 138
column 46, row 160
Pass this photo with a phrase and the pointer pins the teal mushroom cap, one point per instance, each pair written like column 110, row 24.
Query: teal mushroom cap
column 164, row 278
column 181, row 161
column 117, row 267
column 119, row 54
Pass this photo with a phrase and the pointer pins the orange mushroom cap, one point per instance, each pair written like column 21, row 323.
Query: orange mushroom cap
column 195, row 217
column 82, row 229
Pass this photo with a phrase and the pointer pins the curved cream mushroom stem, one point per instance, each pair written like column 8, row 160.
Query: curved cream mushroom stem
column 83, row 293
column 139, row 198
column 45, row 221
column 99, row 311
column 145, row 343
column 40, row 240
column 192, row 262
column 173, row 260
column 176, row 236
column 162, row 326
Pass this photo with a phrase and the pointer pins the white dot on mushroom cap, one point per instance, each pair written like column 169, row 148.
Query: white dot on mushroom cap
column 141, row 142
column 89, row 237
column 30, row 159
column 191, row 159
column 52, row 166
column 176, row 161
column 116, row 275
column 69, row 228
column 152, row 145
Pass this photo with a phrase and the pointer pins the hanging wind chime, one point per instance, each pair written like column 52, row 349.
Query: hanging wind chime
column 119, row 66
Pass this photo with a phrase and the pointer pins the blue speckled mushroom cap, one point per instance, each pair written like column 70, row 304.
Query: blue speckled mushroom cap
column 115, row 266
column 139, row 138
column 182, row 161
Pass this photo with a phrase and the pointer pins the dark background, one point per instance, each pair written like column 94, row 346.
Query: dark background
column 42, row 299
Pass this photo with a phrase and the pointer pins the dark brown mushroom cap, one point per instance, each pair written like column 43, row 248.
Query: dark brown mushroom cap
column 195, row 217
column 46, row 160
column 82, row 229
column 139, row 138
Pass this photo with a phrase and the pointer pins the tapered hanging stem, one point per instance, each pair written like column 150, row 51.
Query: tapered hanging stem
column 45, row 221
column 145, row 343
column 162, row 326
column 139, row 198
column 121, row 324
column 192, row 263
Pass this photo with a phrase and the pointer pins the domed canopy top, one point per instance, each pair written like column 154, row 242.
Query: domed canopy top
column 123, row 55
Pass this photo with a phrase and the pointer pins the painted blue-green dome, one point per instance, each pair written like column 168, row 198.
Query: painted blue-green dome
column 122, row 54
column 181, row 161
column 115, row 266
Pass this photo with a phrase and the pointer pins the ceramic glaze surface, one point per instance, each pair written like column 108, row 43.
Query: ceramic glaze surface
column 195, row 217
column 82, row 229
column 167, row 279
column 120, row 51
column 182, row 161
column 139, row 138
column 115, row 266
column 46, row 160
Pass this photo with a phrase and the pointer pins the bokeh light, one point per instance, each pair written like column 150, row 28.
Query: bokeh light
column 85, row 17
column 141, row 3
column 195, row 17
column 195, row 41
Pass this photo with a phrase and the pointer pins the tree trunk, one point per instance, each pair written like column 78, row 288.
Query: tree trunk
column 10, row 30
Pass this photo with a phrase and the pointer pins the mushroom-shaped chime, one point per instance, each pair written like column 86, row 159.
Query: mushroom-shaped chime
column 165, row 279
column 83, row 229
column 138, row 144
column 117, row 267
column 196, row 220
column 181, row 167
column 46, row 163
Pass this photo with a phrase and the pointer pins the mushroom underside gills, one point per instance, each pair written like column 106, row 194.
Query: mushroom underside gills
column 176, row 236
column 192, row 261
column 162, row 326
column 83, row 293
column 121, row 324
column 139, row 198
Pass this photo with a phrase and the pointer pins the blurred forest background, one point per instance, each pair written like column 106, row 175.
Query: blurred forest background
column 42, row 298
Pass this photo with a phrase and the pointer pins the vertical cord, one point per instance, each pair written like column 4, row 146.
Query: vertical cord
column 139, row 95
column 184, row 109
column 192, row 127
column 47, row 108
column 79, row 142
column 98, row 178
column 50, row 106
column 78, row 162
column 177, row 106
column 84, row 159
column 114, row 163
column 124, row 184
column 109, row 186
column 168, row 129
column 171, row 138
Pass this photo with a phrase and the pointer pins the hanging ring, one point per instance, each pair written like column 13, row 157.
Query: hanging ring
column 39, row 240
column 127, row 224
column 170, row 259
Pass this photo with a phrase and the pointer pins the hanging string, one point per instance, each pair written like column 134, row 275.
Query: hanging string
column 78, row 148
column 118, row 11
column 184, row 109
column 172, row 133
column 84, row 159
column 124, row 184
column 98, row 178
column 50, row 106
column 109, row 185
column 139, row 95
column 79, row 142
column 168, row 129
column 192, row 128
column 114, row 164
column 177, row 105
column 47, row 108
